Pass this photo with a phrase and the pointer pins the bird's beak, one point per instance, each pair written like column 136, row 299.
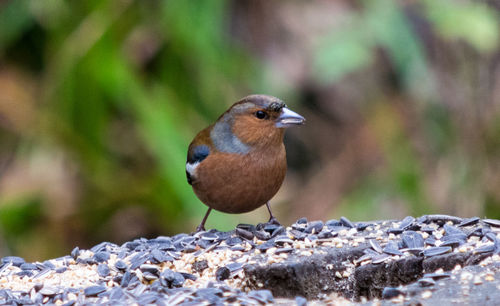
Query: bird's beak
column 288, row 118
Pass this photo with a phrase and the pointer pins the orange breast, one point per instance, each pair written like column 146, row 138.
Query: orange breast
column 236, row 183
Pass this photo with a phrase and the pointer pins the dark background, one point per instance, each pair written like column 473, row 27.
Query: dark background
column 100, row 99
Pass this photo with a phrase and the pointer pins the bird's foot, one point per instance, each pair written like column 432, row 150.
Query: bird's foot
column 200, row 228
column 274, row 221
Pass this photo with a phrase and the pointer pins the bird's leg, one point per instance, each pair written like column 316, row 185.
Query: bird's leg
column 272, row 219
column 201, row 227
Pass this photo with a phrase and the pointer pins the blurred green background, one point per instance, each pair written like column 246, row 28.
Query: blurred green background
column 100, row 99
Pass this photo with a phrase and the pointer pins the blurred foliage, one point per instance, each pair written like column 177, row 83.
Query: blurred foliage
column 100, row 99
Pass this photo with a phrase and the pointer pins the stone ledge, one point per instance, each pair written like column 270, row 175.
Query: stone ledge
column 333, row 262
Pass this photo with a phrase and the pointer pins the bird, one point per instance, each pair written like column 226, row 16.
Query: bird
column 238, row 163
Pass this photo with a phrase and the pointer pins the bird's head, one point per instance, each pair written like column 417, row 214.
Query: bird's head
column 260, row 119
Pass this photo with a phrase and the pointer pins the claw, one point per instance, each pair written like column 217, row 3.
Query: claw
column 273, row 220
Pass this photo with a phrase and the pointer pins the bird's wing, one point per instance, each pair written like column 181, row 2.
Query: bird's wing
column 198, row 150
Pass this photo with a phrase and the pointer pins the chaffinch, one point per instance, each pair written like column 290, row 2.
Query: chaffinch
column 238, row 163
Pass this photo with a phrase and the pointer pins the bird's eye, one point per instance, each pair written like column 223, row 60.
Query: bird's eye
column 260, row 114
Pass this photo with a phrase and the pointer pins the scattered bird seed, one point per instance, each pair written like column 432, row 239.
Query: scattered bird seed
column 125, row 281
column 406, row 223
column 278, row 231
column 200, row 265
column 189, row 276
column 395, row 231
column 439, row 219
column 437, row 276
column 75, row 253
column 462, row 237
column 452, row 230
column 170, row 270
column 283, row 250
column 314, row 227
column 211, row 295
column 392, row 249
column 302, row 221
column 61, row 269
column 281, row 240
column 28, row 266
column 298, row 235
column 14, row 260
column 120, row 265
column 469, row 221
column 222, row 273
column 414, row 251
column 492, row 222
column 49, row 291
column 427, row 229
column 138, row 260
column 435, row 251
column 378, row 259
column 333, row 223
column 327, row 234
column 244, row 233
column 426, row 282
column 265, row 246
column 263, row 296
column 389, row 292
column 171, row 279
column 93, row 290
column 101, row 256
column 452, row 243
column 149, row 268
column 365, row 257
column 232, row 241
column 262, row 235
column 488, row 248
column 430, row 241
column 412, row 239
column 491, row 236
column 361, row 226
column 346, row 222
column 247, row 227
column 375, row 245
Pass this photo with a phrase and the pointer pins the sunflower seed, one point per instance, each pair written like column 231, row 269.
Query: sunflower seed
column 434, row 251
